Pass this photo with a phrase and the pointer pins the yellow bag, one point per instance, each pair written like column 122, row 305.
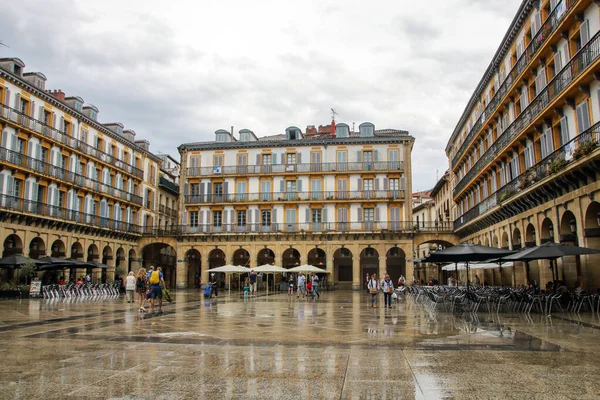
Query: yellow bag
column 373, row 290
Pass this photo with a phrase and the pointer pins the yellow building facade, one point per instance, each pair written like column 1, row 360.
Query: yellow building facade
column 524, row 156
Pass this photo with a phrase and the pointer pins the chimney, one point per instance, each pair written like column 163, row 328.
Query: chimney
column 333, row 127
column 58, row 94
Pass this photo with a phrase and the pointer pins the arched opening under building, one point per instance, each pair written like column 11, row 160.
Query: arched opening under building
column 570, row 270
column 164, row 256
column 216, row 258
column 516, row 239
column 369, row 265
column 194, row 268
column 530, row 240
column 12, row 245
column 58, row 249
column 265, row 256
column 495, row 241
column 107, row 257
column 120, row 260
column 395, row 263
column 504, row 243
column 290, row 258
column 241, row 257
column 131, row 258
column 317, row 258
column 591, row 277
column 547, row 231
column 37, row 248
column 429, row 271
column 342, row 268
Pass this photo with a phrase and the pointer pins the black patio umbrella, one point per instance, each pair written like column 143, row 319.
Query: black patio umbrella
column 16, row 260
column 54, row 263
column 96, row 264
column 466, row 253
column 550, row 251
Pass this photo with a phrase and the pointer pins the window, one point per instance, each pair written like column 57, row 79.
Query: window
column 316, row 186
column 564, row 131
column 490, row 138
column 47, row 117
column 265, row 217
column 369, row 218
column 266, row 159
column 524, row 100
column 367, row 185
column 514, row 167
column 265, row 190
column 342, row 160
column 218, row 191
column 520, row 49
column 558, row 62
column 218, row 161
column 291, row 158
column 217, row 218
column 241, row 218
column 584, row 32
column 502, row 174
column 546, row 143
column 583, row 116
column 193, row 219
column 529, row 155
column 536, row 24
column 316, row 216
column 540, row 81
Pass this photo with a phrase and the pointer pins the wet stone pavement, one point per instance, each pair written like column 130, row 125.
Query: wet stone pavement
column 278, row 347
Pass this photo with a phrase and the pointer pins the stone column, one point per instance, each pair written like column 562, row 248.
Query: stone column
column 182, row 266
column 355, row 267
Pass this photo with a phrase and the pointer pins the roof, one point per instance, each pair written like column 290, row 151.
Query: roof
column 439, row 184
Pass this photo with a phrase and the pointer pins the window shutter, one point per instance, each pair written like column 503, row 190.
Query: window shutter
column 282, row 186
column 231, row 217
column 324, row 215
column 200, row 217
column 340, row 215
column 299, row 158
column 184, row 218
column 566, row 54
column 359, row 213
column 27, row 190
column 402, row 183
column 7, row 98
column 299, row 186
column 386, row 184
column 376, row 183
column 564, row 130
column 584, row 32
column 307, row 215
column 258, row 159
column 377, row 214
column 257, row 216
column 376, row 155
column 56, row 195
column 226, row 188
column 274, row 158
column 5, row 140
column 2, row 184
column 10, row 185
column 17, row 102
column 359, row 156
column 360, row 184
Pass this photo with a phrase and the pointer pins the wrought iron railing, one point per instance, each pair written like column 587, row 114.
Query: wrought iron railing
column 72, row 178
column 25, row 121
column 571, row 151
column 12, row 203
column 308, row 227
column 295, row 196
column 296, row 168
column 168, row 185
column 583, row 59
column 549, row 26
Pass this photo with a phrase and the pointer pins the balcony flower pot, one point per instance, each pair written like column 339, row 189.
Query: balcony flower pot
column 556, row 166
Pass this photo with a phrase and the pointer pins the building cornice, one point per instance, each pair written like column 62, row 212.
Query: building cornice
column 505, row 45
column 65, row 108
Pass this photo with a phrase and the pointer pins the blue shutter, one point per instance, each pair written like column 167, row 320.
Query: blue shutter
column 274, row 158
column 282, row 186
column 307, row 215
column 226, row 188
column 258, row 159
column 299, row 158
column 377, row 214
column 358, row 156
column 360, row 185
column 324, row 214
column 299, row 186
column 27, row 184
column 386, row 184
column 360, row 217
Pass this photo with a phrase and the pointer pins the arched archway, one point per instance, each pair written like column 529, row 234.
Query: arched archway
column 77, row 251
column 12, row 245
column 547, row 231
column 58, row 249
column 317, row 257
column 495, row 241
column 290, row 258
column 107, row 257
column 194, row 268
column 369, row 264
column 568, row 228
column 516, row 239
column 504, row 243
column 592, row 239
column 216, row 258
column 37, row 248
column 530, row 240
column 342, row 267
column 92, row 253
column 131, row 258
column 120, row 260
column 486, row 241
column 164, row 256
column 395, row 263
column 571, row 266
column 241, row 257
column 265, row 256
column 592, row 219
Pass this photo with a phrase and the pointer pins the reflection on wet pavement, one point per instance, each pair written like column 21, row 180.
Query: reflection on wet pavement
column 281, row 347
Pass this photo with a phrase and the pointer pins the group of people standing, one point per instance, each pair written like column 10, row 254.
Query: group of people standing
column 386, row 285
column 148, row 285
column 305, row 285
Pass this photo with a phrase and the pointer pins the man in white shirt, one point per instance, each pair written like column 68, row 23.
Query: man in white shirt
column 301, row 287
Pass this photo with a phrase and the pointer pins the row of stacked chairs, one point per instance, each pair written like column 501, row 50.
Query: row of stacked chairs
column 100, row 290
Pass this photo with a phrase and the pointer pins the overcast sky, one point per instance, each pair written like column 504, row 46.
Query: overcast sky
column 176, row 71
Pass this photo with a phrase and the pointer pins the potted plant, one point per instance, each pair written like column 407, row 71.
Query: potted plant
column 556, row 165
column 584, row 149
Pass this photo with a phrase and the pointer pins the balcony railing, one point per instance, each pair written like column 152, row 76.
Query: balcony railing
column 295, row 196
column 571, row 151
column 308, row 227
column 32, row 124
column 296, row 168
column 583, row 59
column 17, row 204
column 168, row 185
column 549, row 26
column 44, row 168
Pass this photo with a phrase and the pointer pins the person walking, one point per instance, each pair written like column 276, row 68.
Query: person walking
column 252, row 283
column 157, row 284
column 301, row 288
column 315, row 285
column 140, row 288
column 291, row 285
column 388, row 289
column 129, row 287
column 373, row 287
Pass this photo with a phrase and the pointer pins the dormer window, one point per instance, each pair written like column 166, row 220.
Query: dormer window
column 93, row 115
column 293, row 133
column 78, row 106
column 342, row 130
column 222, row 136
column 17, row 70
column 366, row 129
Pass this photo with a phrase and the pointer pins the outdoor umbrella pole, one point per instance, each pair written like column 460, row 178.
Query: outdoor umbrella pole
column 515, row 275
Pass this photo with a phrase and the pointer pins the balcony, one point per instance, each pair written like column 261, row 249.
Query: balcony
column 161, row 208
column 295, row 196
column 282, row 169
column 72, row 178
column 24, row 121
column 168, row 185
column 546, row 31
column 307, row 227
column 585, row 57
column 584, row 144
column 15, row 204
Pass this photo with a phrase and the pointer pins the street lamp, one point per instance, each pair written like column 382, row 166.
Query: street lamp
column 551, row 231
column 573, row 226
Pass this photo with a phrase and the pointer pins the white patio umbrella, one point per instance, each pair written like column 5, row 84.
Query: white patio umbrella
column 463, row 266
column 230, row 269
column 270, row 269
column 308, row 268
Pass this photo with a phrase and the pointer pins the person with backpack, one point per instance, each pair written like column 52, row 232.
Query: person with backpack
column 157, row 283
column 373, row 287
column 388, row 289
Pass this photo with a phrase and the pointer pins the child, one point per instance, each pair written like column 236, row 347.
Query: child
column 246, row 287
column 291, row 284
column 309, row 290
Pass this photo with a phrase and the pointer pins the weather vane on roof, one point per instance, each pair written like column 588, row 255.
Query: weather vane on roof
column 333, row 114
column 2, row 44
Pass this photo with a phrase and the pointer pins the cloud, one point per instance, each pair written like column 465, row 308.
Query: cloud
column 177, row 71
